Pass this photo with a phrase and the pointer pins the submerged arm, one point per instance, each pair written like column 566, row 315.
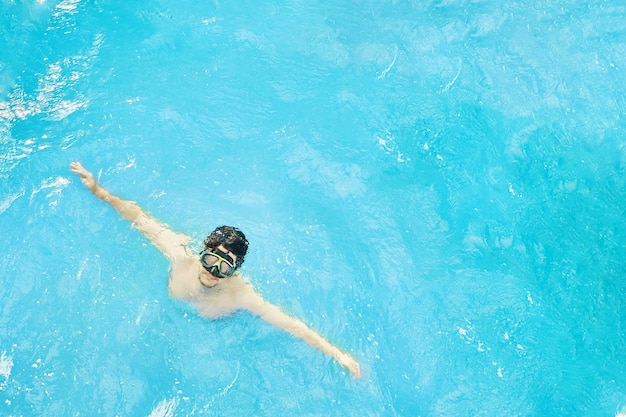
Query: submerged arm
column 167, row 241
column 274, row 315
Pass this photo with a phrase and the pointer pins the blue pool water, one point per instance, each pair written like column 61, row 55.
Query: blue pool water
column 438, row 187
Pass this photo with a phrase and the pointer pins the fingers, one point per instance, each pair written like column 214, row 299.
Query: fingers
column 77, row 168
column 351, row 364
column 355, row 370
column 86, row 177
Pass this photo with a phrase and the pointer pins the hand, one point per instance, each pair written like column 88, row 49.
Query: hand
column 350, row 364
column 86, row 177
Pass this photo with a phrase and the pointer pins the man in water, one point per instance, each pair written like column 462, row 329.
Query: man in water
column 211, row 281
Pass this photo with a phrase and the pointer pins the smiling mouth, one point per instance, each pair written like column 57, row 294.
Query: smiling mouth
column 208, row 280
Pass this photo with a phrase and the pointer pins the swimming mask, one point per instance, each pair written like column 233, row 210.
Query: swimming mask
column 217, row 263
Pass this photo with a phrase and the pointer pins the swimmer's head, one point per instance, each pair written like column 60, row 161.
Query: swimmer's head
column 232, row 239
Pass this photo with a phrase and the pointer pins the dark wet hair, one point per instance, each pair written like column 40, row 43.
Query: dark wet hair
column 232, row 238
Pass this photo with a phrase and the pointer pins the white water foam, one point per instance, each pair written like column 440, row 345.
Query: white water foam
column 165, row 408
column 6, row 364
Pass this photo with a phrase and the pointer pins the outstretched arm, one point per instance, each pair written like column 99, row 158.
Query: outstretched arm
column 274, row 315
column 170, row 243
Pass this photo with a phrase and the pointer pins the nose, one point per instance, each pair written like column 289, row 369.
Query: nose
column 213, row 270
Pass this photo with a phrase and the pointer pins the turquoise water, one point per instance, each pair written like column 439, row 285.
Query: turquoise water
column 437, row 187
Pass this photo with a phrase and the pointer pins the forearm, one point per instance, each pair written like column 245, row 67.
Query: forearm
column 295, row 327
column 313, row 338
column 253, row 302
column 170, row 243
column 127, row 209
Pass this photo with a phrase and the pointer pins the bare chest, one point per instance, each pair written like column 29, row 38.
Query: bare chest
column 212, row 303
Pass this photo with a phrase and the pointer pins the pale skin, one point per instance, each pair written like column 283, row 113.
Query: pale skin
column 213, row 297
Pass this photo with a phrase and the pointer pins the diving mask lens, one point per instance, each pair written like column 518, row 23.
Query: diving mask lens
column 217, row 263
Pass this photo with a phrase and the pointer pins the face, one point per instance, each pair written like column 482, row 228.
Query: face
column 221, row 267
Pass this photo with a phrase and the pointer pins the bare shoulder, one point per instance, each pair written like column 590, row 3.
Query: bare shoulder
column 245, row 296
column 183, row 282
